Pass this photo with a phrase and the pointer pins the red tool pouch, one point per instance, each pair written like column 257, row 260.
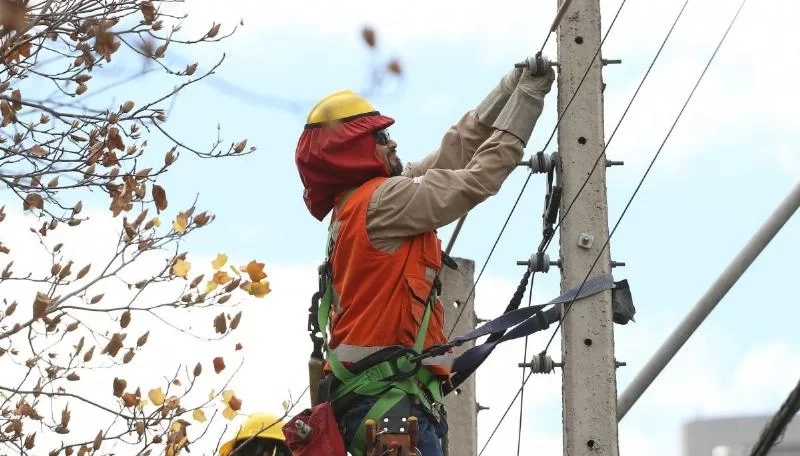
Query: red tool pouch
column 314, row 432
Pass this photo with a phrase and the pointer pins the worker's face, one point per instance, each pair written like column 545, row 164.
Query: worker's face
column 386, row 150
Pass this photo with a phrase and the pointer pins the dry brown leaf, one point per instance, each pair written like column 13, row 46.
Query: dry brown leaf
column 148, row 11
column 128, row 356
column 130, row 400
column 88, row 355
column 235, row 321
column 219, row 364
column 142, row 339
column 394, row 67
column 220, row 323
column 11, row 308
column 125, row 319
column 97, row 441
column 119, row 386
column 159, row 197
column 73, row 377
column 32, row 200
column 170, row 157
column 40, row 305
column 114, row 344
column 368, row 34
column 213, row 31
column 30, row 441
column 83, row 271
column 37, row 151
column 235, row 403
column 198, row 369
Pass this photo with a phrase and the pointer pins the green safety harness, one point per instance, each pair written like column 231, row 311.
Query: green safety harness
column 390, row 380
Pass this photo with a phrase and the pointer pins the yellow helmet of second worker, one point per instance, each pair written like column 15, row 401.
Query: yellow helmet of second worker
column 265, row 425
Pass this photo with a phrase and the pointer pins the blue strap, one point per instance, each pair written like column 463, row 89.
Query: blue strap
column 519, row 325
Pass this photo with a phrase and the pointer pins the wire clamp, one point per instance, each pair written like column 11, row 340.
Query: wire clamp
column 541, row 364
column 539, row 262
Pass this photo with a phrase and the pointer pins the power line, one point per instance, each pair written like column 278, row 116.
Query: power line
column 650, row 166
column 624, row 114
column 561, row 12
column 545, row 245
column 505, row 413
column 588, row 69
column 485, row 263
column 777, row 425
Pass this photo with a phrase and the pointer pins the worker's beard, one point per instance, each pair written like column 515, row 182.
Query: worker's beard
column 395, row 164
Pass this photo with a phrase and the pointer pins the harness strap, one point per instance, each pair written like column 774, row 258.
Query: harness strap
column 522, row 322
column 390, row 380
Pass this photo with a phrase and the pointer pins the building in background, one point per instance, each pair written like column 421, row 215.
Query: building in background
column 735, row 436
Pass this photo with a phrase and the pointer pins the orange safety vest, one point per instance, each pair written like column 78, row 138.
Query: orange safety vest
column 379, row 298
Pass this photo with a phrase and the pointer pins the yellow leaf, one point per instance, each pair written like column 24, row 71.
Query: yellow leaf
column 211, row 286
column 229, row 413
column 221, row 277
column 219, row 261
column 180, row 223
column 199, row 415
column 156, row 396
column 142, row 404
column 156, row 221
column 181, row 268
column 211, row 395
column 227, row 395
column 259, row 289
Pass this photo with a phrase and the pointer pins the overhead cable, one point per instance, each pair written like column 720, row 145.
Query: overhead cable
column 650, row 166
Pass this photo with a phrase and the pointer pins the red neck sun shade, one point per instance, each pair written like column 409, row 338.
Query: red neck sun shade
column 337, row 156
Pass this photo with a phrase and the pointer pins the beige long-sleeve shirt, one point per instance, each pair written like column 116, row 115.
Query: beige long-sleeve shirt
column 471, row 163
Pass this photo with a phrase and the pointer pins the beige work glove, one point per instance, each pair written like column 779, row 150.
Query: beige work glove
column 488, row 110
column 525, row 104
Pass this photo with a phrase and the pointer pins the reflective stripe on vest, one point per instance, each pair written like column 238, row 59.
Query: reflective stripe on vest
column 352, row 353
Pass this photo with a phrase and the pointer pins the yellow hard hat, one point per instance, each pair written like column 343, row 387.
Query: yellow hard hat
column 339, row 105
column 265, row 425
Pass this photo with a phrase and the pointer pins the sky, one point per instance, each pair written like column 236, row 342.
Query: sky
column 731, row 159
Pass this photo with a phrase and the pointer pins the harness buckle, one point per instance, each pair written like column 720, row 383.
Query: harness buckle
column 406, row 354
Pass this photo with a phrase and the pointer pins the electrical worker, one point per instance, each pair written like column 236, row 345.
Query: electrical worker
column 385, row 256
column 259, row 435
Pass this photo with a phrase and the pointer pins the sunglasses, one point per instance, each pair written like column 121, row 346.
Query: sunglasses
column 382, row 137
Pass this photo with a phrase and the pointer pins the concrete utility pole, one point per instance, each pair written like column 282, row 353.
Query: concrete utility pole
column 587, row 344
column 461, row 405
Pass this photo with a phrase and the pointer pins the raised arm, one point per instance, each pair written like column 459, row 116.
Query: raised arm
column 411, row 204
column 462, row 140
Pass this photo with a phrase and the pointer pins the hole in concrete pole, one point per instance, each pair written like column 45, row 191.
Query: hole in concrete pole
column 456, row 303
column 457, row 391
column 587, row 342
column 579, row 39
column 590, row 443
column 581, row 140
